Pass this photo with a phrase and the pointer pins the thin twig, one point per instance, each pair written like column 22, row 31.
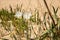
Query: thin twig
column 49, row 12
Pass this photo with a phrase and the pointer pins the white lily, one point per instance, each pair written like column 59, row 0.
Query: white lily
column 18, row 14
column 27, row 15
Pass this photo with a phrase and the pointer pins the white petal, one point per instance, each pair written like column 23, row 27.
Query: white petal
column 27, row 15
column 18, row 14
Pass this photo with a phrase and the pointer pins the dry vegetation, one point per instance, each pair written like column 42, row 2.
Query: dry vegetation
column 22, row 24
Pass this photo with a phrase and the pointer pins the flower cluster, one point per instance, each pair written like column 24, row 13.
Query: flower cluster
column 25, row 15
column 18, row 14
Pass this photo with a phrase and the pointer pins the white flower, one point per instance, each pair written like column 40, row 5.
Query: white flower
column 27, row 15
column 18, row 14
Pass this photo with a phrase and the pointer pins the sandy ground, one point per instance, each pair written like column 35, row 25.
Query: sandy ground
column 33, row 4
column 27, row 4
